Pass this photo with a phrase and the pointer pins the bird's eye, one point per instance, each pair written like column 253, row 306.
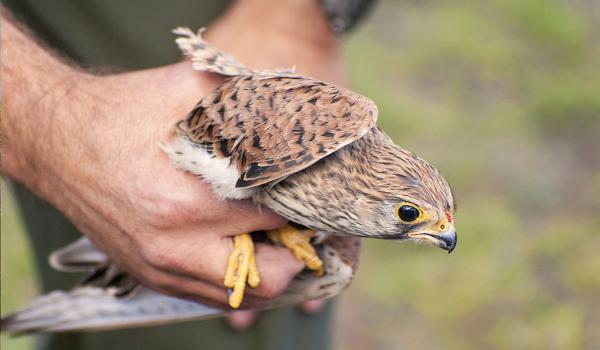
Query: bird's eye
column 408, row 213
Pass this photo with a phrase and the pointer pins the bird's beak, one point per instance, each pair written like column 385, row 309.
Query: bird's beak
column 446, row 240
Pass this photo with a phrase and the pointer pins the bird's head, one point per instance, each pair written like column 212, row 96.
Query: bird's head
column 416, row 212
column 422, row 222
column 406, row 199
column 419, row 205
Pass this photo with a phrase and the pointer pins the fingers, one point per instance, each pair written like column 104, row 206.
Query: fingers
column 194, row 204
column 313, row 306
column 186, row 288
column 204, row 258
column 277, row 267
column 244, row 319
column 241, row 320
column 196, row 290
column 193, row 240
column 198, row 257
column 245, row 216
column 198, row 207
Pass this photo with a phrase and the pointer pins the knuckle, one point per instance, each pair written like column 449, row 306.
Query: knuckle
column 167, row 211
column 162, row 255
column 166, row 214
column 154, row 254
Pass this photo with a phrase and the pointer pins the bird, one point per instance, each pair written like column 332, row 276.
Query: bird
column 304, row 148
column 311, row 152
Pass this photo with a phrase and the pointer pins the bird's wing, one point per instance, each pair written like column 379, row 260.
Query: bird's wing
column 91, row 308
column 79, row 256
column 271, row 123
column 110, row 299
column 274, row 126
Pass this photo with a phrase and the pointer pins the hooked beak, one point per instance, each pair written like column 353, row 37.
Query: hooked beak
column 445, row 240
column 448, row 240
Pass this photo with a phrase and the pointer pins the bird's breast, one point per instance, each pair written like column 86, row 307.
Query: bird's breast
column 318, row 197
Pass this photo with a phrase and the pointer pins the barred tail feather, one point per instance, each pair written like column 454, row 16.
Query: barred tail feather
column 206, row 57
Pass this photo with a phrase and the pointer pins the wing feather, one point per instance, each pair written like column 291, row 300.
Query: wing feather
column 275, row 126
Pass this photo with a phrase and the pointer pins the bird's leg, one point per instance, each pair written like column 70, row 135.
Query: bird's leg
column 241, row 269
column 298, row 241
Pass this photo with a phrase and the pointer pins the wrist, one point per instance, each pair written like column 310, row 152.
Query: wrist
column 266, row 35
column 35, row 85
column 47, row 142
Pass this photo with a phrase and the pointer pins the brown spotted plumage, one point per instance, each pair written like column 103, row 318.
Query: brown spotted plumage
column 206, row 57
column 274, row 126
column 310, row 151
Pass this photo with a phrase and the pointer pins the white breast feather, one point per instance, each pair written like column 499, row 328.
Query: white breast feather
column 221, row 173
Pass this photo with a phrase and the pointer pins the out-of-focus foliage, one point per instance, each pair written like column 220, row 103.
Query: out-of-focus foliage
column 503, row 96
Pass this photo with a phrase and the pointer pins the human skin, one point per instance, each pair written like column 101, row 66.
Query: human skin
column 89, row 145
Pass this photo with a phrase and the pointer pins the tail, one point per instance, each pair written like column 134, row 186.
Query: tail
column 206, row 57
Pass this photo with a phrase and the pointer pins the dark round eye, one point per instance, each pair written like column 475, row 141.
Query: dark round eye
column 408, row 213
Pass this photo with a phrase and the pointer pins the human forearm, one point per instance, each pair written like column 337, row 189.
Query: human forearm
column 60, row 124
column 35, row 85
column 288, row 33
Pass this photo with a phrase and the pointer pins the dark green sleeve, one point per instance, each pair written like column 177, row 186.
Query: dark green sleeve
column 133, row 34
column 129, row 34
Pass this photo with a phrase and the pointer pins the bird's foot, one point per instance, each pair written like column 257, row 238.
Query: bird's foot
column 298, row 241
column 241, row 269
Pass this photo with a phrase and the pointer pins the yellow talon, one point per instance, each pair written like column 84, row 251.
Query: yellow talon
column 243, row 262
column 298, row 241
column 241, row 266
column 253, row 278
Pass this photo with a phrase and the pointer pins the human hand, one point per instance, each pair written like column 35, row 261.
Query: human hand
column 178, row 229
column 90, row 146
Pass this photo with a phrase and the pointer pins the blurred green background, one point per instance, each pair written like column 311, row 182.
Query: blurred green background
column 503, row 96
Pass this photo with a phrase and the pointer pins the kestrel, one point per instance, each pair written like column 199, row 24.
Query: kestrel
column 306, row 149
column 311, row 152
